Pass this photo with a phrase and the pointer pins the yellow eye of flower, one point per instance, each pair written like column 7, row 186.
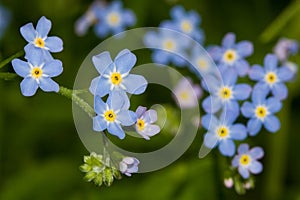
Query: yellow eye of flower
column 184, row 95
column 186, row 26
column 271, row 78
column 116, row 78
column 229, row 56
column 113, row 19
column 140, row 124
column 245, row 159
column 225, row 93
column 261, row 112
column 39, row 42
column 110, row 116
column 169, row 45
column 36, row 72
column 202, row 64
column 222, row 132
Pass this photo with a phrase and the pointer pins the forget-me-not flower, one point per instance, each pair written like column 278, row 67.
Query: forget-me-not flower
column 285, row 48
column 246, row 160
column 38, row 38
column 114, row 75
column 129, row 165
column 144, row 124
column 185, row 22
column 112, row 114
column 232, row 54
column 223, row 132
column 37, row 72
column 261, row 112
column 4, row 20
column 271, row 77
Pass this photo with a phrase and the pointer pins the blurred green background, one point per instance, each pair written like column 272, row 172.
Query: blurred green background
column 40, row 150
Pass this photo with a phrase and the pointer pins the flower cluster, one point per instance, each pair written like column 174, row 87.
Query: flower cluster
column 39, row 67
column 107, row 17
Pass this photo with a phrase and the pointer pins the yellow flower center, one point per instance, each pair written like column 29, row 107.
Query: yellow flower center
column 113, row 19
column 222, row 131
column 110, row 116
column 186, row 26
column 271, row 78
column 245, row 159
column 202, row 64
column 184, row 95
column 229, row 56
column 36, row 72
column 39, row 42
column 261, row 112
column 225, row 93
column 169, row 45
column 140, row 124
column 116, row 78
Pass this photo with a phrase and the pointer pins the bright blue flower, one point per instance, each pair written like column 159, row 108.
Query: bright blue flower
column 232, row 54
column 38, row 38
column 271, row 77
column 114, row 75
column 144, row 124
column 4, row 20
column 185, row 22
column 112, row 114
column 129, row 165
column 246, row 160
column 113, row 18
column 285, row 48
column 166, row 44
column 222, row 132
column 37, row 72
column 225, row 92
column 261, row 112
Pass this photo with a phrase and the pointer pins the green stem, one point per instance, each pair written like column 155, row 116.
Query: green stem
column 9, row 59
column 7, row 76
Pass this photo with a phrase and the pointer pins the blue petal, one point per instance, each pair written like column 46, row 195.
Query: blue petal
column 53, row 68
column 99, row 124
column 29, row 86
column 272, row 123
column 211, row 104
column 160, row 57
column 244, row 48
column 129, row 18
column 256, row 73
column 194, row 17
column 242, row 91
column 150, row 130
column 28, row 32
column 243, row 149
column 244, row 172
column 177, row 12
column 123, row 52
column 135, row 84
column 21, row 68
column 48, row 85
column 259, row 93
column 126, row 117
column 140, row 111
column 102, row 61
column 216, row 53
column 285, row 74
column 125, row 62
column 94, row 85
column 256, row 153
column 233, row 108
column 117, row 100
column 255, row 167
column 235, row 161
column 152, row 40
column 101, row 29
column 34, row 55
column 99, row 105
column 247, row 109
column 228, row 40
column 43, row 27
column 280, row 91
column 229, row 77
column 115, row 129
column 55, row 44
column 103, row 87
column 209, row 122
column 230, row 115
column 227, row 147
column 210, row 140
column 274, row 105
column 150, row 116
column 270, row 62
column 238, row 132
column 254, row 125
column 242, row 67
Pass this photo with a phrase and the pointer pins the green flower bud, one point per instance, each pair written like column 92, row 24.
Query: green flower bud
column 108, row 177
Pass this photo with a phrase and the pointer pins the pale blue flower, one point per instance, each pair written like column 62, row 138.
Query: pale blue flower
column 246, row 160
column 112, row 114
column 144, row 124
column 129, row 165
column 114, row 75
column 271, row 77
column 37, row 72
column 285, row 48
column 4, row 20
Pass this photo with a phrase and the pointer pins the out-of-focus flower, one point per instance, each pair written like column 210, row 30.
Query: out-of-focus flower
column 129, row 165
column 4, row 20
column 228, row 182
column 285, row 48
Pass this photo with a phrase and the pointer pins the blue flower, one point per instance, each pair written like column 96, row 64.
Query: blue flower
column 112, row 114
column 129, row 165
column 246, row 160
column 37, row 72
column 232, row 55
column 113, row 18
column 114, row 75
column 285, row 48
column 225, row 93
column 4, row 20
column 144, row 124
column 261, row 112
column 38, row 38
column 167, row 44
column 185, row 22
column 271, row 77
column 222, row 132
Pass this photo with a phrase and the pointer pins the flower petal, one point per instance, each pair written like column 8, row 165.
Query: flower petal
column 228, row 40
column 115, row 129
column 94, row 85
column 117, row 100
column 210, row 140
column 270, row 62
column 244, row 48
column 238, row 132
column 34, row 55
column 102, row 61
column 247, row 109
column 140, row 111
column 243, row 148
column 209, row 122
column 280, row 91
column 43, row 27
column 28, row 32
column 242, row 91
column 255, row 167
column 55, row 44
column 29, row 86
column 21, row 68
column 126, row 117
column 242, row 67
column 274, row 105
column 227, row 147
column 272, row 123
column 235, row 161
column 103, row 87
column 150, row 130
column 125, row 62
column 229, row 77
column 150, row 116
column 99, row 105
column 211, row 104
column 48, row 85
column 256, row 73
column 244, row 172
column 254, row 125
column 256, row 153
column 135, row 84
column 99, row 124
column 285, row 74
column 53, row 68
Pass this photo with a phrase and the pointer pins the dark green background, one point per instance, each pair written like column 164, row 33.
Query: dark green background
column 40, row 150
